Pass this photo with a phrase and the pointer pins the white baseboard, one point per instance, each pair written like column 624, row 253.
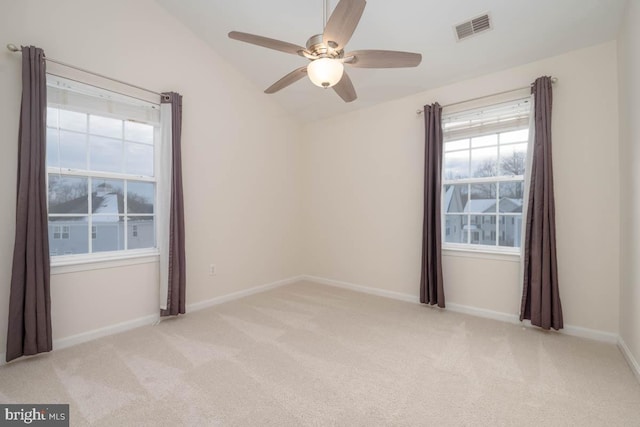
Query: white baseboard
column 364, row 289
column 105, row 331
column 592, row 334
column 151, row 319
column 473, row 311
column 483, row 312
column 631, row 360
column 241, row 294
column 60, row 343
column 577, row 331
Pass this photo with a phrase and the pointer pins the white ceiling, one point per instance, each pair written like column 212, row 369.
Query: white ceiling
column 524, row 31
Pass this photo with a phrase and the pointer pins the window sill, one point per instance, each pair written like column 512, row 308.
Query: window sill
column 73, row 264
column 482, row 254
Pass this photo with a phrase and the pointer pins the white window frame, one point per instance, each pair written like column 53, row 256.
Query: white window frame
column 78, row 262
column 476, row 248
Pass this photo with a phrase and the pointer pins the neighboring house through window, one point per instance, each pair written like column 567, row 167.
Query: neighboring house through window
column 60, row 232
column 101, row 170
column 483, row 176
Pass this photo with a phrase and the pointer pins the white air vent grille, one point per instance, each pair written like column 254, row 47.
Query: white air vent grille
column 473, row 27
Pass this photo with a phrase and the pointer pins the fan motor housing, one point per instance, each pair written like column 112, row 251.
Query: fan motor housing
column 316, row 46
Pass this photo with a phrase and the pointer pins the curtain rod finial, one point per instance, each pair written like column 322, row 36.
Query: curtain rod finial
column 13, row 48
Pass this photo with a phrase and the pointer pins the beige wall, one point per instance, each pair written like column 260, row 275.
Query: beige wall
column 629, row 86
column 239, row 157
column 341, row 198
column 363, row 177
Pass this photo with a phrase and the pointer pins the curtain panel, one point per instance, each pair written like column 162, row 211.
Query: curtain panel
column 29, row 329
column 431, row 283
column 172, row 253
column 540, row 294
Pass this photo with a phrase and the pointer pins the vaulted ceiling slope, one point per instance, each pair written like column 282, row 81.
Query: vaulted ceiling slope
column 523, row 31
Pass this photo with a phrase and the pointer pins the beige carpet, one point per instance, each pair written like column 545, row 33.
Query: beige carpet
column 308, row 354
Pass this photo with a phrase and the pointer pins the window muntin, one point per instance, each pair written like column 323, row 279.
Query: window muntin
column 483, row 177
column 101, row 177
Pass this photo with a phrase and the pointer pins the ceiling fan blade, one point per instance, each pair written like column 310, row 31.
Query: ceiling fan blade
column 267, row 42
column 287, row 80
column 383, row 59
column 343, row 22
column 345, row 89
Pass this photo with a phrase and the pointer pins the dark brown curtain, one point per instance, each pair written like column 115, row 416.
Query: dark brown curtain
column 176, row 295
column 540, row 295
column 29, row 329
column 431, row 287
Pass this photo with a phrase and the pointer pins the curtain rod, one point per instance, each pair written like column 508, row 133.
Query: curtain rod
column 553, row 80
column 13, row 48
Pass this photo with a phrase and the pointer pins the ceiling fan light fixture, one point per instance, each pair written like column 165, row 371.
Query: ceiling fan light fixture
column 327, row 55
column 325, row 72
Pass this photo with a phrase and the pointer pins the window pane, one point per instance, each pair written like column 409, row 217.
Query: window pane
column 72, row 121
column 483, row 189
column 108, row 197
column 456, row 165
column 73, row 150
column 483, row 198
column 52, row 117
column 109, row 233
column 510, row 230
column 483, row 230
column 515, row 136
column 484, row 141
column 52, row 148
column 455, row 197
column 105, row 126
column 141, row 232
column 68, row 235
column 138, row 132
column 454, row 230
column 456, row 145
column 140, row 197
column 105, row 154
column 512, row 159
column 484, row 162
column 68, row 195
column 139, row 159
column 511, row 196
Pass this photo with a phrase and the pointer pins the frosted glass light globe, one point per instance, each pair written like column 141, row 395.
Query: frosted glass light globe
column 325, row 72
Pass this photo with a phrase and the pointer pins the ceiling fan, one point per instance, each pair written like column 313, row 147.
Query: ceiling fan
column 326, row 52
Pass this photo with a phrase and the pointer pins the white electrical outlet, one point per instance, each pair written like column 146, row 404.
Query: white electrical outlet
column 212, row 270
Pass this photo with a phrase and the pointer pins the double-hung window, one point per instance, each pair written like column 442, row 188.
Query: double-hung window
column 485, row 153
column 101, row 172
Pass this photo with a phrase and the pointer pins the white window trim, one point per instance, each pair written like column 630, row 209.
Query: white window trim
column 496, row 252
column 483, row 252
column 61, row 264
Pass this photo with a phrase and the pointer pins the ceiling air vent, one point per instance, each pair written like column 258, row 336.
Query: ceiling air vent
column 473, row 27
